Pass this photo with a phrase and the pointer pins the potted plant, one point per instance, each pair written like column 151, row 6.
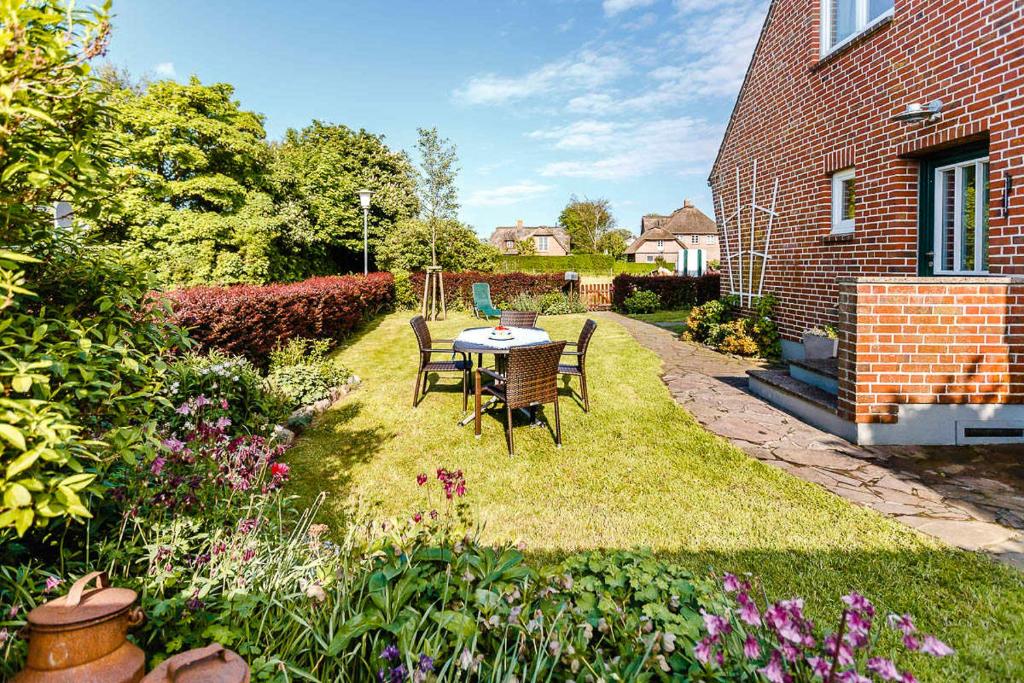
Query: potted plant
column 821, row 342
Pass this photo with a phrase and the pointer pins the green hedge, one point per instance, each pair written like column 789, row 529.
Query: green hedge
column 585, row 264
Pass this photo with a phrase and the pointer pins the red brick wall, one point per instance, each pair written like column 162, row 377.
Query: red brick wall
column 929, row 340
column 803, row 118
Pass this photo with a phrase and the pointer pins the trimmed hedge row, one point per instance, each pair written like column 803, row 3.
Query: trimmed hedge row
column 250, row 320
column 458, row 287
column 675, row 291
column 586, row 264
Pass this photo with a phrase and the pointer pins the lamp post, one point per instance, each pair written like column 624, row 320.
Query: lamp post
column 364, row 201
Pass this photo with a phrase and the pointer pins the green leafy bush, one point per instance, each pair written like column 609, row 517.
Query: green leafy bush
column 301, row 371
column 405, row 294
column 642, row 301
column 722, row 325
column 551, row 303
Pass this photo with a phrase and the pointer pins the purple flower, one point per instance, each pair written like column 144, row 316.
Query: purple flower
column 702, row 650
column 184, row 409
column 859, row 602
column 935, row 647
column 715, row 624
column 158, row 465
column 911, row 643
column 852, row 677
column 751, row 648
column 51, row 583
column 903, row 623
column 883, row 668
column 390, row 653
column 748, row 611
column 730, row 583
column 174, row 445
column 819, row 666
column 222, row 422
column 421, row 479
column 426, row 664
column 773, row 670
column 201, row 401
column 399, row 673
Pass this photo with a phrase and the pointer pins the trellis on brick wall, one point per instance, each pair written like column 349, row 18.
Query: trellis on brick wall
column 734, row 261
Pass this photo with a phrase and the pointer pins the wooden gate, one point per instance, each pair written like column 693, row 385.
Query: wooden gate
column 597, row 297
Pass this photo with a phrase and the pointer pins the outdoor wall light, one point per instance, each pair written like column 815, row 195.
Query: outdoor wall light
column 364, row 201
column 925, row 113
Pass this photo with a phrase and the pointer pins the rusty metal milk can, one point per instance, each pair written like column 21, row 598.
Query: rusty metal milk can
column 81, row 636
column 211, row 664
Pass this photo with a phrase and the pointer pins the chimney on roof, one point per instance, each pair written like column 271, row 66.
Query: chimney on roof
column 519, row 223
column 687, row 204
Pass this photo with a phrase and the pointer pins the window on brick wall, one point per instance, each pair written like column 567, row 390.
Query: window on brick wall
column 843, row 20
column 844, row 201
column 961, row 218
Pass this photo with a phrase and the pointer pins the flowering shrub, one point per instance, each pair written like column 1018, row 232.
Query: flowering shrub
column 782, row 645
column 251, row 321
column 674, row 291
column 301, row 371
column 222, row 380
column 722, row 325
column 505, row 287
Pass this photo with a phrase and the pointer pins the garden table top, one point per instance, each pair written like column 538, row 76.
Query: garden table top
column 478, row 339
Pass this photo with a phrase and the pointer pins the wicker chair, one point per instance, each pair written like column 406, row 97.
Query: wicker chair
column 518, row 318
column 463, row 364
column 530, row 380
column 579, row 368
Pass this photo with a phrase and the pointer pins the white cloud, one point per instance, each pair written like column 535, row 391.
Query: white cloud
column 165, row 70
column 681, row 145
column 587, row 69
column 613, row 7
column 645, row 20
column 506, row 195
column 579, row 135
column 567, row 25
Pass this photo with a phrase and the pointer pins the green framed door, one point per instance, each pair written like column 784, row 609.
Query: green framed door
column 953, row 198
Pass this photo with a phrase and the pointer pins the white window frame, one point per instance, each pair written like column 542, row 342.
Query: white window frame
column 862, row 24
column 979, row 217
column 841, row 226
column 661, row 244
column 650, row 258
column 712, row 239
column 542, row 243
column 694, row 239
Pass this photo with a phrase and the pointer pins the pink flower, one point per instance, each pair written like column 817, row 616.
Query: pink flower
column 222, row 423
column 857, row 623
column 421, row 479
column 418, row 517
column 884, row 668
column 773, row 670
column 911, row 643
column 174, row 445
column 715, row 624
column 751, row 648
column 730, row 583
column 224, row 404
column 903, row 623
column 819, row 666
column 51, row 583
column 158, row 465
column 859, row 602
column 853, row 677
column 748, row 611
column 702, row 650
column 201, row 401
column 907, row 677
column 279, row 470
column 935, row 647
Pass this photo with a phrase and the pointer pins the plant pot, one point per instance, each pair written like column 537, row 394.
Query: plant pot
column 816, row 346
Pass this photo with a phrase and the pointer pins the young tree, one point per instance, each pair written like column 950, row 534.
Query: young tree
column 587, row 220
column 526, row 247
column 614, row 242
column 439, row 167
column 410, row 245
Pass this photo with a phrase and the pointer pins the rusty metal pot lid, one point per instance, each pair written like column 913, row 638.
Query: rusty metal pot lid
column 81, row 605
column 211, row 664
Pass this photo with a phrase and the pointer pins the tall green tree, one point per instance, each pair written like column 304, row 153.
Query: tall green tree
column 409, row 246
column 193, row 167
column 315, row 174
column 614, row 242
column 587, row 220
column 439, row 168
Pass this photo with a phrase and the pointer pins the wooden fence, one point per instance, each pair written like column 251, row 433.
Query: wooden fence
column 597, row 297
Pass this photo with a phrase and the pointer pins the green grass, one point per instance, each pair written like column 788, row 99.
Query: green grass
column 638, row 471
column 673, row 320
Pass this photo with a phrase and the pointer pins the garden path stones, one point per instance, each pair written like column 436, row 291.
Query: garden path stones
column 953, row 495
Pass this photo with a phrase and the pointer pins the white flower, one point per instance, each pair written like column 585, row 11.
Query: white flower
column 465, row 659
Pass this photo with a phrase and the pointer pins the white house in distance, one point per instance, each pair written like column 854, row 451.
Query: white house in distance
column 669, row 238
column 547, row 240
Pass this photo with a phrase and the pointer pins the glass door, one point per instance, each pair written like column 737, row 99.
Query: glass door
column 953, row 231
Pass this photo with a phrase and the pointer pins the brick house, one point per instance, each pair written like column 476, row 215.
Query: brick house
column 894, row 130
column 549, row 241
column 668, row 237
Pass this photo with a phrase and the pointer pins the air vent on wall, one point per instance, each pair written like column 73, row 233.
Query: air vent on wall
column 986, row 432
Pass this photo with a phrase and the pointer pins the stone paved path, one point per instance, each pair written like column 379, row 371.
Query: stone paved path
column 960, row 509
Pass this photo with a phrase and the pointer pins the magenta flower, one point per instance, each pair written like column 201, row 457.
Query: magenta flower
column 773, row 670
column 183, row 409
column 222, row 422
column 730, row 583
column 907, row 677
column 852, row 677
column 859, row 602
column 935, row 647
column 418, row 517
column 748, row 611
column 201, row 401
column 904, row 623
column 174, row 445
column 158, row 465
column 715, row 624
column 911, row 643
column 224, row 404
column 820, row 666
column 51, row 583
column 421, row 479
column 883, row 668
column 702, row 650
column 751, row 648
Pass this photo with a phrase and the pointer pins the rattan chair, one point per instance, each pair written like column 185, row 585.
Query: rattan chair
column 531, row 379
column 426, row 365
column 518, row 318
column 579, row 368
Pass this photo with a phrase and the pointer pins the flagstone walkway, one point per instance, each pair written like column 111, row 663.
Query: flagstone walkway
column 958, row 495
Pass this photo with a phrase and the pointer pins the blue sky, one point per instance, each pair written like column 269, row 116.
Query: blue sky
column 622, row 99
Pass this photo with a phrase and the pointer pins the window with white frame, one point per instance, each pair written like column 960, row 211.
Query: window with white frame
column 542, row 243
column 712, row 239
column 844, row 201
column 650, row 258
column 843, row 20
column 695, row 239
column 661, row 244
column 961, row 218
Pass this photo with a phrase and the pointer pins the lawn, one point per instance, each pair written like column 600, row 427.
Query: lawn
column 674, row 320
column 638, row 471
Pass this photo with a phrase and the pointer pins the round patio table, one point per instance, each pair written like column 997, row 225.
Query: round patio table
column 478, row 340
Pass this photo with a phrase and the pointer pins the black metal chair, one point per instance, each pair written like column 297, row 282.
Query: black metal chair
column 579, row 368
column 530, row 380
column 426, row 365
column 518, row 318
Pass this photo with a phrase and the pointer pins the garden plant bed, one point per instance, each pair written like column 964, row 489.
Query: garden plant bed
column 640, row 471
